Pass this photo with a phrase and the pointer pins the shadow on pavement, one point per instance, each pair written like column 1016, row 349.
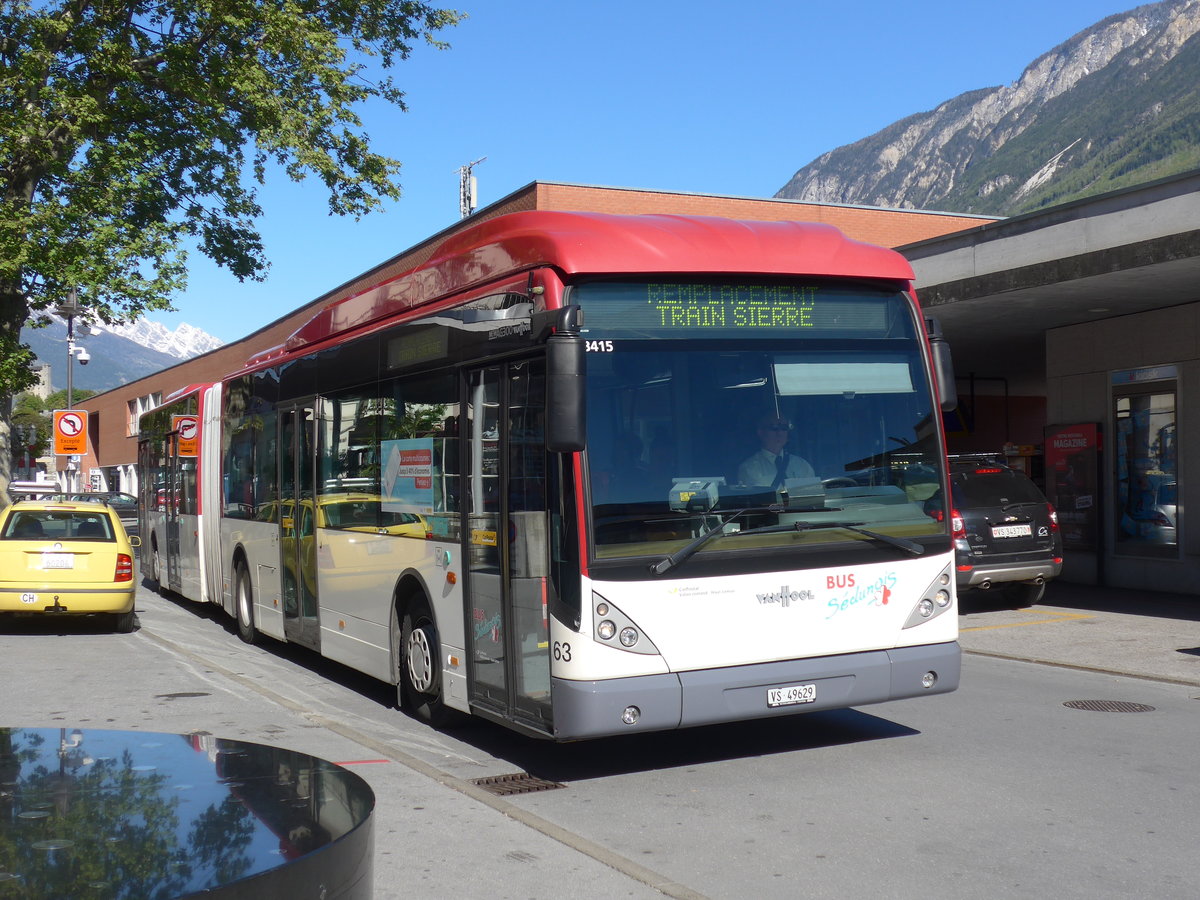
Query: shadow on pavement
column 1185, row 607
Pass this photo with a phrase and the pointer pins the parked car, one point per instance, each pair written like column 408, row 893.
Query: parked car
column 126, row 505
column 62, row 558
column 1006, row 534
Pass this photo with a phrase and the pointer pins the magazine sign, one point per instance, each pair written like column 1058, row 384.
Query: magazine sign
column 1073, row 482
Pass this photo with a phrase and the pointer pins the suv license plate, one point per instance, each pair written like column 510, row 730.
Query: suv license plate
column 791, row 695
column 1002, row 531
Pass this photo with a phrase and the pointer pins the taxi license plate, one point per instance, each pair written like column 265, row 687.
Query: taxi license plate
column 1003, row 531
column 58, row 560
column 791, row 695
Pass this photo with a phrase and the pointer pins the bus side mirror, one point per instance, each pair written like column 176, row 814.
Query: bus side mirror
column 943, row 365
column 566, row 402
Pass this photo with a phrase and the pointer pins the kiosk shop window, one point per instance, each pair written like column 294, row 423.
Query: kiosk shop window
column 1145, row 455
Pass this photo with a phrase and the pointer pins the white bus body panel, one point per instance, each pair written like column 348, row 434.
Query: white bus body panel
column 259, row 541
column 721, row 622
column 189, row 558
column 208, row 527
column 357, row 574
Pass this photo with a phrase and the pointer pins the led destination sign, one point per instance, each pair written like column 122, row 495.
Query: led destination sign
column 662, row 309
column 732, row 306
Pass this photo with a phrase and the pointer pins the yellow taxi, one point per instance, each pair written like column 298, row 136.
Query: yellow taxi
column 68, row 559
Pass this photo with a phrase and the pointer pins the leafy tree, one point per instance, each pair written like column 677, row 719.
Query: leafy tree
column 129, row 127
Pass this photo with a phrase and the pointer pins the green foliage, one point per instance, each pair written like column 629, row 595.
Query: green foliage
column 128, row 128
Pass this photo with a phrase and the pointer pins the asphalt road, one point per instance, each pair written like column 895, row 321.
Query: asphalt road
column 1001, row 789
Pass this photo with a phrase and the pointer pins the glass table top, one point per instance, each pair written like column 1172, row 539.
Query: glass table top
column 96, row 813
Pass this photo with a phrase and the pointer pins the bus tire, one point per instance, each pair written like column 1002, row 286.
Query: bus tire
column 155, row 567
column 243, row 604
column 420, row 665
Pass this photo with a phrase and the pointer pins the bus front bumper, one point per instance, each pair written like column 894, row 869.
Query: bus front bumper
column 585, row 709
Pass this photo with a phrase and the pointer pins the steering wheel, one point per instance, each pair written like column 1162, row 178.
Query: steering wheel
column 839, row 482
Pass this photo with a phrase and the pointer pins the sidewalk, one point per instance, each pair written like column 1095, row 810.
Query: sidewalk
column 1140, row 633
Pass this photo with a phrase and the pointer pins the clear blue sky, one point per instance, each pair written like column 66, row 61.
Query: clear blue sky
column 715, row 98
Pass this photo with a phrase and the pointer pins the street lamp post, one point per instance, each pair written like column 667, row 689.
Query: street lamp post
column 69, row 310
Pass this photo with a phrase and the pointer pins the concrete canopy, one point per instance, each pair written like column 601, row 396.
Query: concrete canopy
column 999, row 288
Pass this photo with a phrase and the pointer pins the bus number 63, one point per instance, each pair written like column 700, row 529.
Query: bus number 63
column 562, row 651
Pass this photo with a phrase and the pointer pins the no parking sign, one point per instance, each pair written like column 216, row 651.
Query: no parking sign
column 70, row 432
column 188, row 428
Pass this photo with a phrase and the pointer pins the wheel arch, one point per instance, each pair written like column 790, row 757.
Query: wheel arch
column 410, row 590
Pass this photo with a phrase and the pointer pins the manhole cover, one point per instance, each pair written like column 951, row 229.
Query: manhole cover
column 520, row 783
column 1108, row 706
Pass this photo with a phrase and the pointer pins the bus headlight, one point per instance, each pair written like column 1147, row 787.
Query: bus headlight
column 614, row 629
column 938, row 599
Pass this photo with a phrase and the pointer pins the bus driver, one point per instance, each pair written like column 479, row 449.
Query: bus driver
column 773, row 465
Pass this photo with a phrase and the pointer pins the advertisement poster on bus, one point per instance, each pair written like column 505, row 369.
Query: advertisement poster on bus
column 407, row 482
column 1073, row 482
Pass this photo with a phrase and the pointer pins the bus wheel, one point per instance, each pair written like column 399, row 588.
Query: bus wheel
column 420, row 669
column 243, row 601
column 156, row 567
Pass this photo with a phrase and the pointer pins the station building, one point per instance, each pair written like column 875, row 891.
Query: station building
column 1075, row 332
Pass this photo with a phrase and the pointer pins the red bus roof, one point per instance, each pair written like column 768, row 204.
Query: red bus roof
column 577, row 243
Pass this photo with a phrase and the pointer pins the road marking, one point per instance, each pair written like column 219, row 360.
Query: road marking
column 1059, row 617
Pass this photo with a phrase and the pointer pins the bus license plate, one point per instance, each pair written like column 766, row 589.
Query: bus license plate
column 58, row 560
column 999, row 531
column 792, row 694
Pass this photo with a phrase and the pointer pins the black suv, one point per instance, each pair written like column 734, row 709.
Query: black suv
column 1006, row 533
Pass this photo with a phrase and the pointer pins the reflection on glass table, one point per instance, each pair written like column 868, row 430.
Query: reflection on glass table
column 94, row 813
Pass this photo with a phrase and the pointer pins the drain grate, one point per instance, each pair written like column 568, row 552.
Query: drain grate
column 1108, row 706
column 519, row 783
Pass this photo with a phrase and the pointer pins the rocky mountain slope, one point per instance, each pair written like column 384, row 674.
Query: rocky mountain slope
column 1118, row 104
column 118, row 354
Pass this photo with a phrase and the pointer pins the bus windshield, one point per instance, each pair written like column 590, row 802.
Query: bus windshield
column 751, row 408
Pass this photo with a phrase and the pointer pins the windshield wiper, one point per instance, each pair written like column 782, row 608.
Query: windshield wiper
column 683, row 553
column 670, row 562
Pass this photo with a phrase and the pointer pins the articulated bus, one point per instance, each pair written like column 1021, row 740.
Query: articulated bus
column 524, row 480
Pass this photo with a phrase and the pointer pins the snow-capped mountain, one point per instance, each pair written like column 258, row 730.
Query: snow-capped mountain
column 118, row 354
column 184, row 342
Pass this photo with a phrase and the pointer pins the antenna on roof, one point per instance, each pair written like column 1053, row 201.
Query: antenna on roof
column 466, row 188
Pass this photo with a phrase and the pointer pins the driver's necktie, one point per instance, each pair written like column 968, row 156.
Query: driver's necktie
column 781, row 462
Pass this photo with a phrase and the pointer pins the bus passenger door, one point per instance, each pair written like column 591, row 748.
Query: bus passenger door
column 505, row 542
column 297, row 523
column 171, row 503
